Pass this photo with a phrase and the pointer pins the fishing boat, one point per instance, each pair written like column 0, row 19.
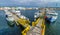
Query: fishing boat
column 9, row 18
column 50, row 16
column 37, row 15
column 17, row 12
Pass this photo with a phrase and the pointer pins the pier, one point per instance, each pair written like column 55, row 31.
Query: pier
column 38, row 27
column 30, row 30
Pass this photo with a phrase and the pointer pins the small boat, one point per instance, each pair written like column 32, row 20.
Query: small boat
column 50, row 16
column 9, row 18
column 17, row 12
column 37, row 15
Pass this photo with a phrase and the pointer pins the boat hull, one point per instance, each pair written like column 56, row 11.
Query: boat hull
column 11, row 23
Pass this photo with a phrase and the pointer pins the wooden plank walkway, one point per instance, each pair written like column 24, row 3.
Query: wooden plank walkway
column 35, row 30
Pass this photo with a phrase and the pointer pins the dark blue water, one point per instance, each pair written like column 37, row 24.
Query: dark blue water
column 29, row 14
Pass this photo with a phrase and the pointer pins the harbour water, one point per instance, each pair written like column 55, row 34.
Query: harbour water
column 51, row 29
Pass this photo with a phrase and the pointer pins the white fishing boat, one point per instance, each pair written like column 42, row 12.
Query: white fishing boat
column 9, row 18
column 37, row 15
column 17, row 12
column 51, row 16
